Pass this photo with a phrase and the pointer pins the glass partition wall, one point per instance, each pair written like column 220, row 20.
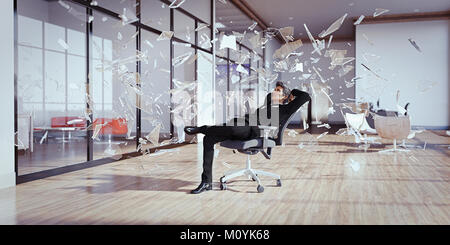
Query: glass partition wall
column 103, row 79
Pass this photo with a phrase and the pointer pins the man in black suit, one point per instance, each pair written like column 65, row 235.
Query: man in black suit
column 282, row 101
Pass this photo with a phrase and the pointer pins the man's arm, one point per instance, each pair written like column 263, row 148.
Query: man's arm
column 301, row 98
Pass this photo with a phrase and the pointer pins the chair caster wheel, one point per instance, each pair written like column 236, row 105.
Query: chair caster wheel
column 223, row 185
column 278, row 182
column 260, row 188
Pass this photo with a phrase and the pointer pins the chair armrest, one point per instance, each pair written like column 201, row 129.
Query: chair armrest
column 265, row 130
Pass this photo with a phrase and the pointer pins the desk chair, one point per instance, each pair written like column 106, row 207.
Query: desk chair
column 253, row 146
column 394, row 128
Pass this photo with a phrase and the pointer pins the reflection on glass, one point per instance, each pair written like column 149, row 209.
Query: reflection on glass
column 184, row 27
column 113, row 75
column 51, row 86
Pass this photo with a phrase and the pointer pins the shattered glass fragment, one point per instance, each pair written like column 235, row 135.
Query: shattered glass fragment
column 226, row 164
column 44, row 137
column 307, row 142
column 75, row 121
column 349, row 84
column 329, row 41
column 63, row 4
column 344, row 70
column 228, row 42
column 314, row 60
column 153, row 136
column 63, row 44
column 324, row 125
column 299, row 67
column 425, row 85
column 414, row 44
column 253, row 26
column 355, row 165
column 318, row 46
column 176, row 3
column 241, row 69
column 341, row 61
column 287, row 33
column 177, row 61
column 91, row 18
column 379, row 12
column 342, row 131
column 127, row 17
column 201, row 26
column 323, row 91
column 318, row 74
column 219, row 25
column 368, row 57
column 360, row 19
column 321, row 135
column 149, row 43
column 165, row 35
column 333, row 27
column 368, row 40
column 235, row 79
column 373, row 72
column 292, row 133
column 97, row 129
column 192, row 59
column 255, row 41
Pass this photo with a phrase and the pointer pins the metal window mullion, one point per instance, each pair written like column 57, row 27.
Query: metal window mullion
column 66, row 74
column 171, row 74
column 195, row 73
column 89, row 29
column 138, row 78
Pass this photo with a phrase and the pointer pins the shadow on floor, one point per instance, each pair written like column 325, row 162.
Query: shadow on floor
column 115, row 183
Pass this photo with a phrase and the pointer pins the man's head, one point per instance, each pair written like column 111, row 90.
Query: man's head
column 280, row 94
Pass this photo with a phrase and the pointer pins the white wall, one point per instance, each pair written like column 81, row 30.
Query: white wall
column 7, row 174
column 406, row 69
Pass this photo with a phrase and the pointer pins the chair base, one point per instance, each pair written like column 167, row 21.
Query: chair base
column 395, row 149
column 251, row 173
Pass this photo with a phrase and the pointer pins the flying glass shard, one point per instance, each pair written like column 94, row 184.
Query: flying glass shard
column 165, row 35
column 379, row 12
column 333, row 27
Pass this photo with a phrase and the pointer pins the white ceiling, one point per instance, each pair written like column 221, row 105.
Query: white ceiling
column 318, row 15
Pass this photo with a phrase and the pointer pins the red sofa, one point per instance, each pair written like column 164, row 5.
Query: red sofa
column 113, row 126
column 61, row 122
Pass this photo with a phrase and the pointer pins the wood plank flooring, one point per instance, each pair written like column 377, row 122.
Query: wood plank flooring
column 319, row 187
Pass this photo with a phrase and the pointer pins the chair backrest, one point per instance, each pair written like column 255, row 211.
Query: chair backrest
column 393, row 127
column 281, row 128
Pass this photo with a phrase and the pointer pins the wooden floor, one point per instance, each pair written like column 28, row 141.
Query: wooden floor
column 319, row 187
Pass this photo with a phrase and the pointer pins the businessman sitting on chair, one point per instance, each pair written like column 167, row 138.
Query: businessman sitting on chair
column 285, row 101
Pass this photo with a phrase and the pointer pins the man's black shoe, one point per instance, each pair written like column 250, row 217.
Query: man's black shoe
column 202, row 187
column 192, row 130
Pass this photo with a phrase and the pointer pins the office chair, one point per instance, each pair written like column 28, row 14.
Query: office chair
column 394, row 128
column 250, row 147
